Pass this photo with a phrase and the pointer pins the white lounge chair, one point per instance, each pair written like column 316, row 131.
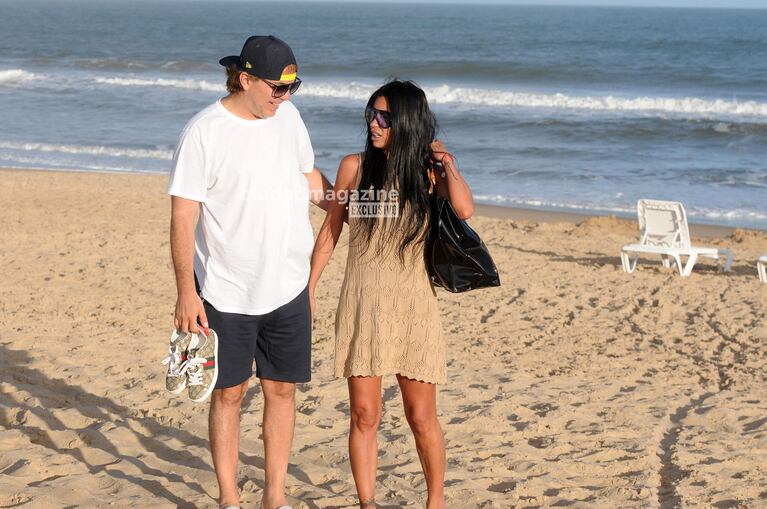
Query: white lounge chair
column 760, row 268
column 663, row 229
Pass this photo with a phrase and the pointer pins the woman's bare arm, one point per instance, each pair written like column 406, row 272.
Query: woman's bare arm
column 334, row 220
column 450, row 182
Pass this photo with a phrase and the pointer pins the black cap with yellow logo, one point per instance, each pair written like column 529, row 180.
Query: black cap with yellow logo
column 264, row 56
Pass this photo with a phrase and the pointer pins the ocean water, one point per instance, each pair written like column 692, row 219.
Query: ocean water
column 564, row 108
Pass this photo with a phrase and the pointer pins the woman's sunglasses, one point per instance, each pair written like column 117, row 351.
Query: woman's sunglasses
column 383, row 118
column 280, row 90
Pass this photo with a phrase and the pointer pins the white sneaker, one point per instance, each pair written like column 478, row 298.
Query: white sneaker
column 201, row 367
column 175, row 378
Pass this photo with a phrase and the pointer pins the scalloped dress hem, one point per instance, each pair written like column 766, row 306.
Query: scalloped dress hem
column 418, row 377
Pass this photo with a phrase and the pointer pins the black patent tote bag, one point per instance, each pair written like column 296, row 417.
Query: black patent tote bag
column 456, row 258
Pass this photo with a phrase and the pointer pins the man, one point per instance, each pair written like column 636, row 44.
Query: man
column 243, row 164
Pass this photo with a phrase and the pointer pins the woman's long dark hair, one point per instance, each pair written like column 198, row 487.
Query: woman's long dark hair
column 413, row 128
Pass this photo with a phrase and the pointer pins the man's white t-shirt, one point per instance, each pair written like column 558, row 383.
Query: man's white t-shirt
column 253, row 240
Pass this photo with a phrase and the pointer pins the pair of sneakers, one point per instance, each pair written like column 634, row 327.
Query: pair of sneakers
column 192, row 363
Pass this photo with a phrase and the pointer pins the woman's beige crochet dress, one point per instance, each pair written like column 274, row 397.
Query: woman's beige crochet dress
column 387, row 320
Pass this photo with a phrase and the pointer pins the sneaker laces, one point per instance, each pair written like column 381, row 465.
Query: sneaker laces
column 173, row 361
column 192, row 367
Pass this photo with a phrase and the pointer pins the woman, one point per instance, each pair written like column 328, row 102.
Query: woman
column 387, row 320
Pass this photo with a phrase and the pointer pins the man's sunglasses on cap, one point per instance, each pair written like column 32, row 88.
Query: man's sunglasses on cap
column 383, row 118
column 280, row 90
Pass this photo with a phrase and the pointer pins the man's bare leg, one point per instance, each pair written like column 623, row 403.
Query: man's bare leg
column 279, row 420
column 224, row 431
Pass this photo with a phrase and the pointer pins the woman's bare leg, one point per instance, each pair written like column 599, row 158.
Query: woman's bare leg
column 420, row 402
column 365, row 409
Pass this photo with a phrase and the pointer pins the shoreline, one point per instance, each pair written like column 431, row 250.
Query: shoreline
column 705, row 230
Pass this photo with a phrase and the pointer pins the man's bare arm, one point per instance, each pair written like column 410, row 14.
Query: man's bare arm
column 319, row 187
column 189, row 308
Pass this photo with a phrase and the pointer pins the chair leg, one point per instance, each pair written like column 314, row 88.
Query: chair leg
column 690, row 264
column 762, row 271
column 678, row 263
column 629, row 263
column 666, row 261
column 728, row 261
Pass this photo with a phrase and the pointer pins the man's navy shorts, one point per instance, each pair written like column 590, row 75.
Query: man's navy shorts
column 279, row 341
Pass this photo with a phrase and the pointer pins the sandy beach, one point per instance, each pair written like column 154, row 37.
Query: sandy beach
column 573, row 384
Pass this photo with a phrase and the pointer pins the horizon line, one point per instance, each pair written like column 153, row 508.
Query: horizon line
column 524, row 3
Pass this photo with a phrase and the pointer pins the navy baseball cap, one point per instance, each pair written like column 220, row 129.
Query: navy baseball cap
column 264, row 56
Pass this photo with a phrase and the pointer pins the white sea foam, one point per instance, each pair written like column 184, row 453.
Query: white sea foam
column 711, row 214
column 722, row 128
column 356, row 91
column 686, row 107
column 35, row 161
column 445, row 94
column 188, row 84
column 498, row 199
column 15, row 77
column 730, row 215
column 683, row 105
column 89, row 150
